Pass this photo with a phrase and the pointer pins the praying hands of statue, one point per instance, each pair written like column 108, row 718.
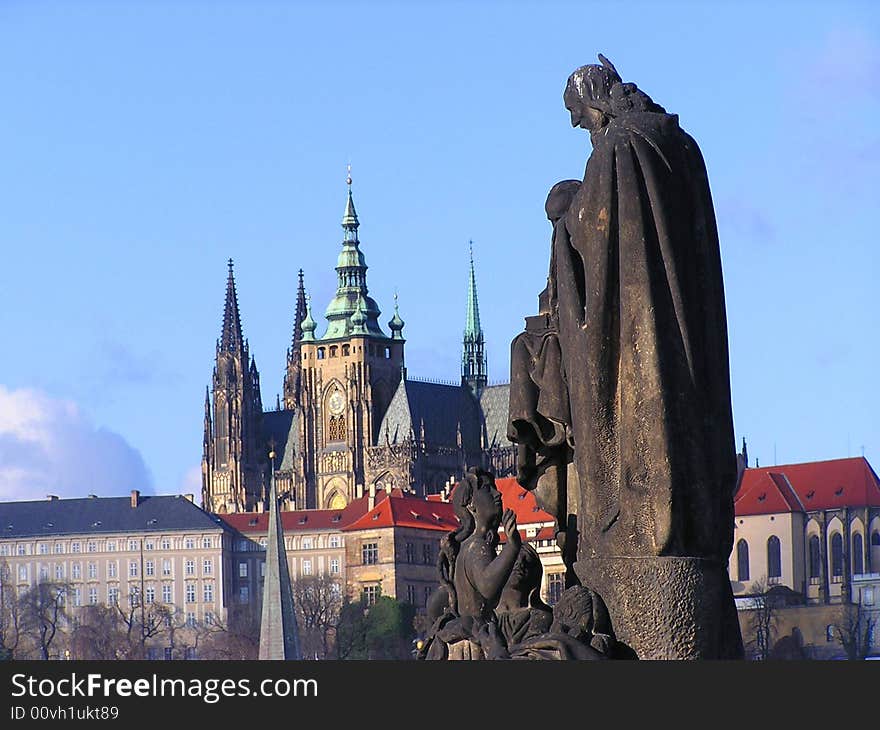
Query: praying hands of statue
column 491, row 573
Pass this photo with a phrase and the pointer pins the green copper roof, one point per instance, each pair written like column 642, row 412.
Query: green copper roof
column 352, row 300
column 350, row 217
column 308, row 324
column 472, row 324
column 395, row 324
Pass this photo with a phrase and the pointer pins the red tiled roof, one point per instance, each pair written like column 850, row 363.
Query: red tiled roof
column 399, row 510
column 522, row 502
column 817, row 485
column 302, row 520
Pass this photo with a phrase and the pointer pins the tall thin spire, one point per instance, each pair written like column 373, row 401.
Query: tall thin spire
column 293, row 372
column 279, row 633
column 474, row 372
column 230, row 338
column 300, row 313
column 472, row 324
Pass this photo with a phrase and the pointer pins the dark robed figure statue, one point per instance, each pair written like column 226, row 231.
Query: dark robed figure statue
column 635, row 301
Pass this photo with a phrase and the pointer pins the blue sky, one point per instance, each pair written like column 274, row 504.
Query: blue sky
column 144, row 143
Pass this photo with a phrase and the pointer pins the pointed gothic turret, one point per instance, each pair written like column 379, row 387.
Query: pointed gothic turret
column 230, row 337
column 292, row 375
column 279, row 633
column 231, row 470
column 351, row 270
column 473, row 355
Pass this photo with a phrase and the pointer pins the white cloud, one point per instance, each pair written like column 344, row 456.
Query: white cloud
column 49, row 446
column 192, row 482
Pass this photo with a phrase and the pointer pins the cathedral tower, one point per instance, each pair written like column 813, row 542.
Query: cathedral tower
column 232, row 472
column 474, row 373
column 348, row 376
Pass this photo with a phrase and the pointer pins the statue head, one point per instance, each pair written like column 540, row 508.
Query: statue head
column 573, row 613
column 595, row 93
column 477, row 495
column 588, row 94
column 559, row 199
column 525, row 576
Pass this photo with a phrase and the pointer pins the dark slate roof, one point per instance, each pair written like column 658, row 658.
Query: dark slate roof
column 440, row 407
column 283, row 428
column 495, row 404
column 101, row 515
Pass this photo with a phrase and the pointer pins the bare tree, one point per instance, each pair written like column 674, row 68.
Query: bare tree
column 42, row 611
column 143, row 622
column 99, row 634
column 10, row 614
column 237, row 638
column 318, row 602
column 763, row 621
column 853, row 630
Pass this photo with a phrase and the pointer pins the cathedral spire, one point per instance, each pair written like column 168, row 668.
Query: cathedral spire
column 473, row 355
column 279, row 634
column 351, row 288
column 472, row 323
column 293, row 373
column 299, row 314
column 230, row 338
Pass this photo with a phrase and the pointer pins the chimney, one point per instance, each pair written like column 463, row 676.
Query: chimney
column 52, row 497
column 135, row 498
column 371, row 499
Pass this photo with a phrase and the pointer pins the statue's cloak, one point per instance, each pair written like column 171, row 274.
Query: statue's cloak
column 643, row 335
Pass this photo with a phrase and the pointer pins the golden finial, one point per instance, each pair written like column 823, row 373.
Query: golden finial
column 348, row 179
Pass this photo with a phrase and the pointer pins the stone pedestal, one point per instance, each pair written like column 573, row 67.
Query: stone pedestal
column 667, row 607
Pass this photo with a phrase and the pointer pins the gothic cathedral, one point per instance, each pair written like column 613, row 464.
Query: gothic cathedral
column 351, row 419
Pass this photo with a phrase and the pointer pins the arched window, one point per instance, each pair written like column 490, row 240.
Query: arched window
column 333, row 350
column 321, row 353
column 875, row 539
column 815, row 557
column 858, row 554
column 346, row 350
column 836, row 554
column 774, row 558
column 742, row 560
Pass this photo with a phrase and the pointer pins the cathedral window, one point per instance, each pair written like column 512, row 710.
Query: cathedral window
column 321, row 352
column 742, row 561
column 336, row 431
column 836, row 557
column 333, row 351
column 346, row 350
column 774, row 557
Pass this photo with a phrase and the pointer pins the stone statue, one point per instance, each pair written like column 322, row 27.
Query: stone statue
column 489, row 606
column 642, row 338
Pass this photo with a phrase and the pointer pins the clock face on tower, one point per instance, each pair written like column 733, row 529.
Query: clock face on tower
column 336, row 403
